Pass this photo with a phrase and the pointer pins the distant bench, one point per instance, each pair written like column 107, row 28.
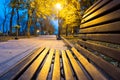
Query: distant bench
column 99, row 38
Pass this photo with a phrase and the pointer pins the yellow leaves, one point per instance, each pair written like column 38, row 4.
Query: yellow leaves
column 32, row 4
column 71, row 13
column 43, row 7
column 12, row 4
column 37, row 15
column 30, row 12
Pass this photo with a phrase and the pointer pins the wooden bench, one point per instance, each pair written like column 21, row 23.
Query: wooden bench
column 82, row 61
column 50, row 64
column 99, row 38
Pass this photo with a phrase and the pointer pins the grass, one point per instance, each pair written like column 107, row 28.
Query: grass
column 6, row 38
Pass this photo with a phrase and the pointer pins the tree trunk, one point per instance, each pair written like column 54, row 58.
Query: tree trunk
column 35, row 27
column 28, row 26
column 67, row 30
column 12, row 14
column 18, row 23
column 41, row 28
column 28, row 29
column 4, row 21
column 72, row 31
column 4, row 25
column 35, row 30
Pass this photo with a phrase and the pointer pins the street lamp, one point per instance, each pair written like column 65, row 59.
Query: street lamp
column 58, row 7
column 38, row 32
column 17, row 27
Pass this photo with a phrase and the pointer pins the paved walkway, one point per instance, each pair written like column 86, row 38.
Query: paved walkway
column 14, row 50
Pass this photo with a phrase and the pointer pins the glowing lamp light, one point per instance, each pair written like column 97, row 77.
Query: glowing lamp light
column 38, row 31
column 58, row 6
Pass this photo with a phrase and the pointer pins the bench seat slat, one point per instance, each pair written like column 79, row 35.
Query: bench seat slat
column 111, row 38
column 28, row 74
column 67, row 68
column 110, row 69
column 91, row 7
column 111, row 27
column 96, row 75
column 114, row 53
column 13, row 73
column 56, row 69
column 45, row 69
column 103, row 2
column 101, row 20
column 80, row 74
column 66, row 41
column 102, row 10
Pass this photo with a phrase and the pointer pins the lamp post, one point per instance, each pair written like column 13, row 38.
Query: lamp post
column 58, row 6
column 16, row 27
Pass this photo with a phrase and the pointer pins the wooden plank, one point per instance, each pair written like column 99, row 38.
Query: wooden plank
column 104, row 19
column 110, row 69
column 28, row 74
column 96, row 75
column 111, row 38
column 113, row 53
column 80, row 74
column 13, row 73
column 67, row 68
column 56, row 69
column 67, row 42
column 91, row 7
column 106, row 8
column 96, row 7
column 111, row 27
column 45, row 69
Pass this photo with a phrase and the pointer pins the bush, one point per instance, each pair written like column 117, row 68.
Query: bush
column 1, row 34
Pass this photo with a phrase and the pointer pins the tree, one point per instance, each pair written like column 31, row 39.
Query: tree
column 48, row 26
column 6, row 12
column 12, row 4
column 41, row 8
column 70, row 14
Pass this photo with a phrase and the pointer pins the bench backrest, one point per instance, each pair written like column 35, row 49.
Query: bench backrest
column 100, row 36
